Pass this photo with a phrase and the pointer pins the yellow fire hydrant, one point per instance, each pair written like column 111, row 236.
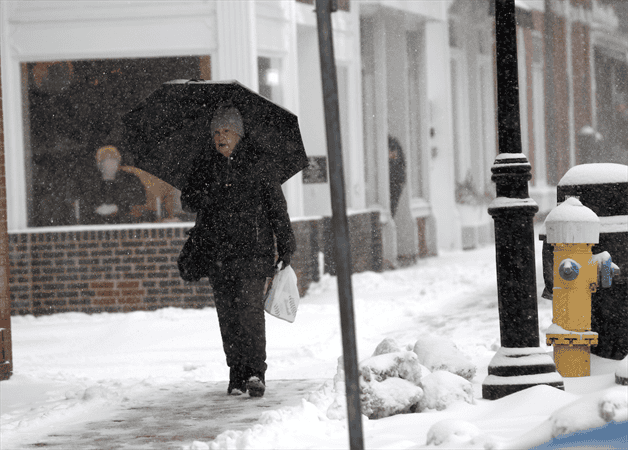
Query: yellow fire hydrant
column 573, row 229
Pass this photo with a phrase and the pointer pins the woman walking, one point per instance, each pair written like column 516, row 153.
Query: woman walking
column 241, row 213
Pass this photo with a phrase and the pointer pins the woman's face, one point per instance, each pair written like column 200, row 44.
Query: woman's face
column 226, row 139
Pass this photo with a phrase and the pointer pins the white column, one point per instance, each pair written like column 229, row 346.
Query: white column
column 441, row 164
column 389, row 230
column 14, row 157
column 356, row 141
column 294, row 186
column 237, row 53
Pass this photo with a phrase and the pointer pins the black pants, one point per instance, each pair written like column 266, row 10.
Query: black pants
column 240, row 307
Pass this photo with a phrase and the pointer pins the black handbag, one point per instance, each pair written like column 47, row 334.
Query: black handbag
column 193, row 264
column 194, row 261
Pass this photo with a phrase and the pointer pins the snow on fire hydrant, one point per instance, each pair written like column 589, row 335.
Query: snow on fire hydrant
column 573, row 229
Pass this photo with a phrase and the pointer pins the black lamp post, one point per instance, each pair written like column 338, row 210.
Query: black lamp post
column 520, row 362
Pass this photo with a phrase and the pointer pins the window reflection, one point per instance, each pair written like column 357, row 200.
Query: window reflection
column 73, row 108
column 269, row 78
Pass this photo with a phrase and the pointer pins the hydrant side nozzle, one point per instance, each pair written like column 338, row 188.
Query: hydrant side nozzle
column 606, row 269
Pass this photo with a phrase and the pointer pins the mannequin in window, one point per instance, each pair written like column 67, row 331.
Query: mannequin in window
column 111, row 198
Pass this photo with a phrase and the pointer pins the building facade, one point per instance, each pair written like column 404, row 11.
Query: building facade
column 418, row 72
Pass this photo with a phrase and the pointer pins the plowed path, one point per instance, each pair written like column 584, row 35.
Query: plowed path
column 173, row 417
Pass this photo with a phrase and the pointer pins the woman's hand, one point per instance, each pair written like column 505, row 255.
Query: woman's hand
column 284, row 260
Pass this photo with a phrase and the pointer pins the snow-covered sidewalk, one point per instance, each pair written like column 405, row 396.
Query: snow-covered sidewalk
column 75, row 371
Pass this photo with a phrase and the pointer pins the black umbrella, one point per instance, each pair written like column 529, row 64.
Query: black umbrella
column 163, row 132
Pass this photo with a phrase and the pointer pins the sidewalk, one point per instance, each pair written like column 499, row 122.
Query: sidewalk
column 175, row 416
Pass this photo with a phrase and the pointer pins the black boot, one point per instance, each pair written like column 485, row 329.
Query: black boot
column 237, row 382
column 256, row 385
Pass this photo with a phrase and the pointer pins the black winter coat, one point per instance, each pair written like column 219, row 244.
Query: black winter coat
column 241, row 210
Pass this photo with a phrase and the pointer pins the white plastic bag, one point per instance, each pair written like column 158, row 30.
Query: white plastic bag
column 282, row 297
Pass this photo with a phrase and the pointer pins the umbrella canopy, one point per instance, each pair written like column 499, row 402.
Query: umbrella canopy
column 163, row 132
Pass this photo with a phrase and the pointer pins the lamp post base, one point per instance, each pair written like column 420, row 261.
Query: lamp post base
column 515, row 369
column 621, row 374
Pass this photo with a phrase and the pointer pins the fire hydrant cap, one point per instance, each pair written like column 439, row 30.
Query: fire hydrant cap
column 572, row 223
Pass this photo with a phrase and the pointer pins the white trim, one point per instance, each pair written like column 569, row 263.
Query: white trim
column 460, row 115
column 237, row 50
column 614, row 224
column 420, row 208
column 538, row 119
column 446, row 222
column 13, row 127
column 355, row 188
column 82, row 228
column 488, row 133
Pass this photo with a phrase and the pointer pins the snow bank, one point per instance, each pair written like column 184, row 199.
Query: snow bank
column 588, row 412
column 402, row 364
column 442, row 389
column 439, row 353
column 455, row 433
column 591, row 411
column 388, row 345
column 389, row 383
column 392, row 381
column 389, row 397
column 305, row 423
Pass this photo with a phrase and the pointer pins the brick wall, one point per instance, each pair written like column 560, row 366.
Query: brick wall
column 305, row 259
column 365, row 233
column 120, row 270
column 100, row 271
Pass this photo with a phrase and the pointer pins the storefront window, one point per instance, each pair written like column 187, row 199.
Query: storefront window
column 269, row 78
column 73, row 108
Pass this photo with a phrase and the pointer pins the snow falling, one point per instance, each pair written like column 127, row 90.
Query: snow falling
column 426, row 335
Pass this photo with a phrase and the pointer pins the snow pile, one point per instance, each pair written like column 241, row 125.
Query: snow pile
column 439, row 353
column 389, row 397
column 591, row 411
column 305, row 423
column 585, row 414
column 442, row 389
column 454, row 433
column 392, row 380
column 390, row 384
column 388, row 345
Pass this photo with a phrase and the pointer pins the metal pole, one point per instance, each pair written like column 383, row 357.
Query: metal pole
column 515, row 243
column 340, row 228
column 513, row 212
